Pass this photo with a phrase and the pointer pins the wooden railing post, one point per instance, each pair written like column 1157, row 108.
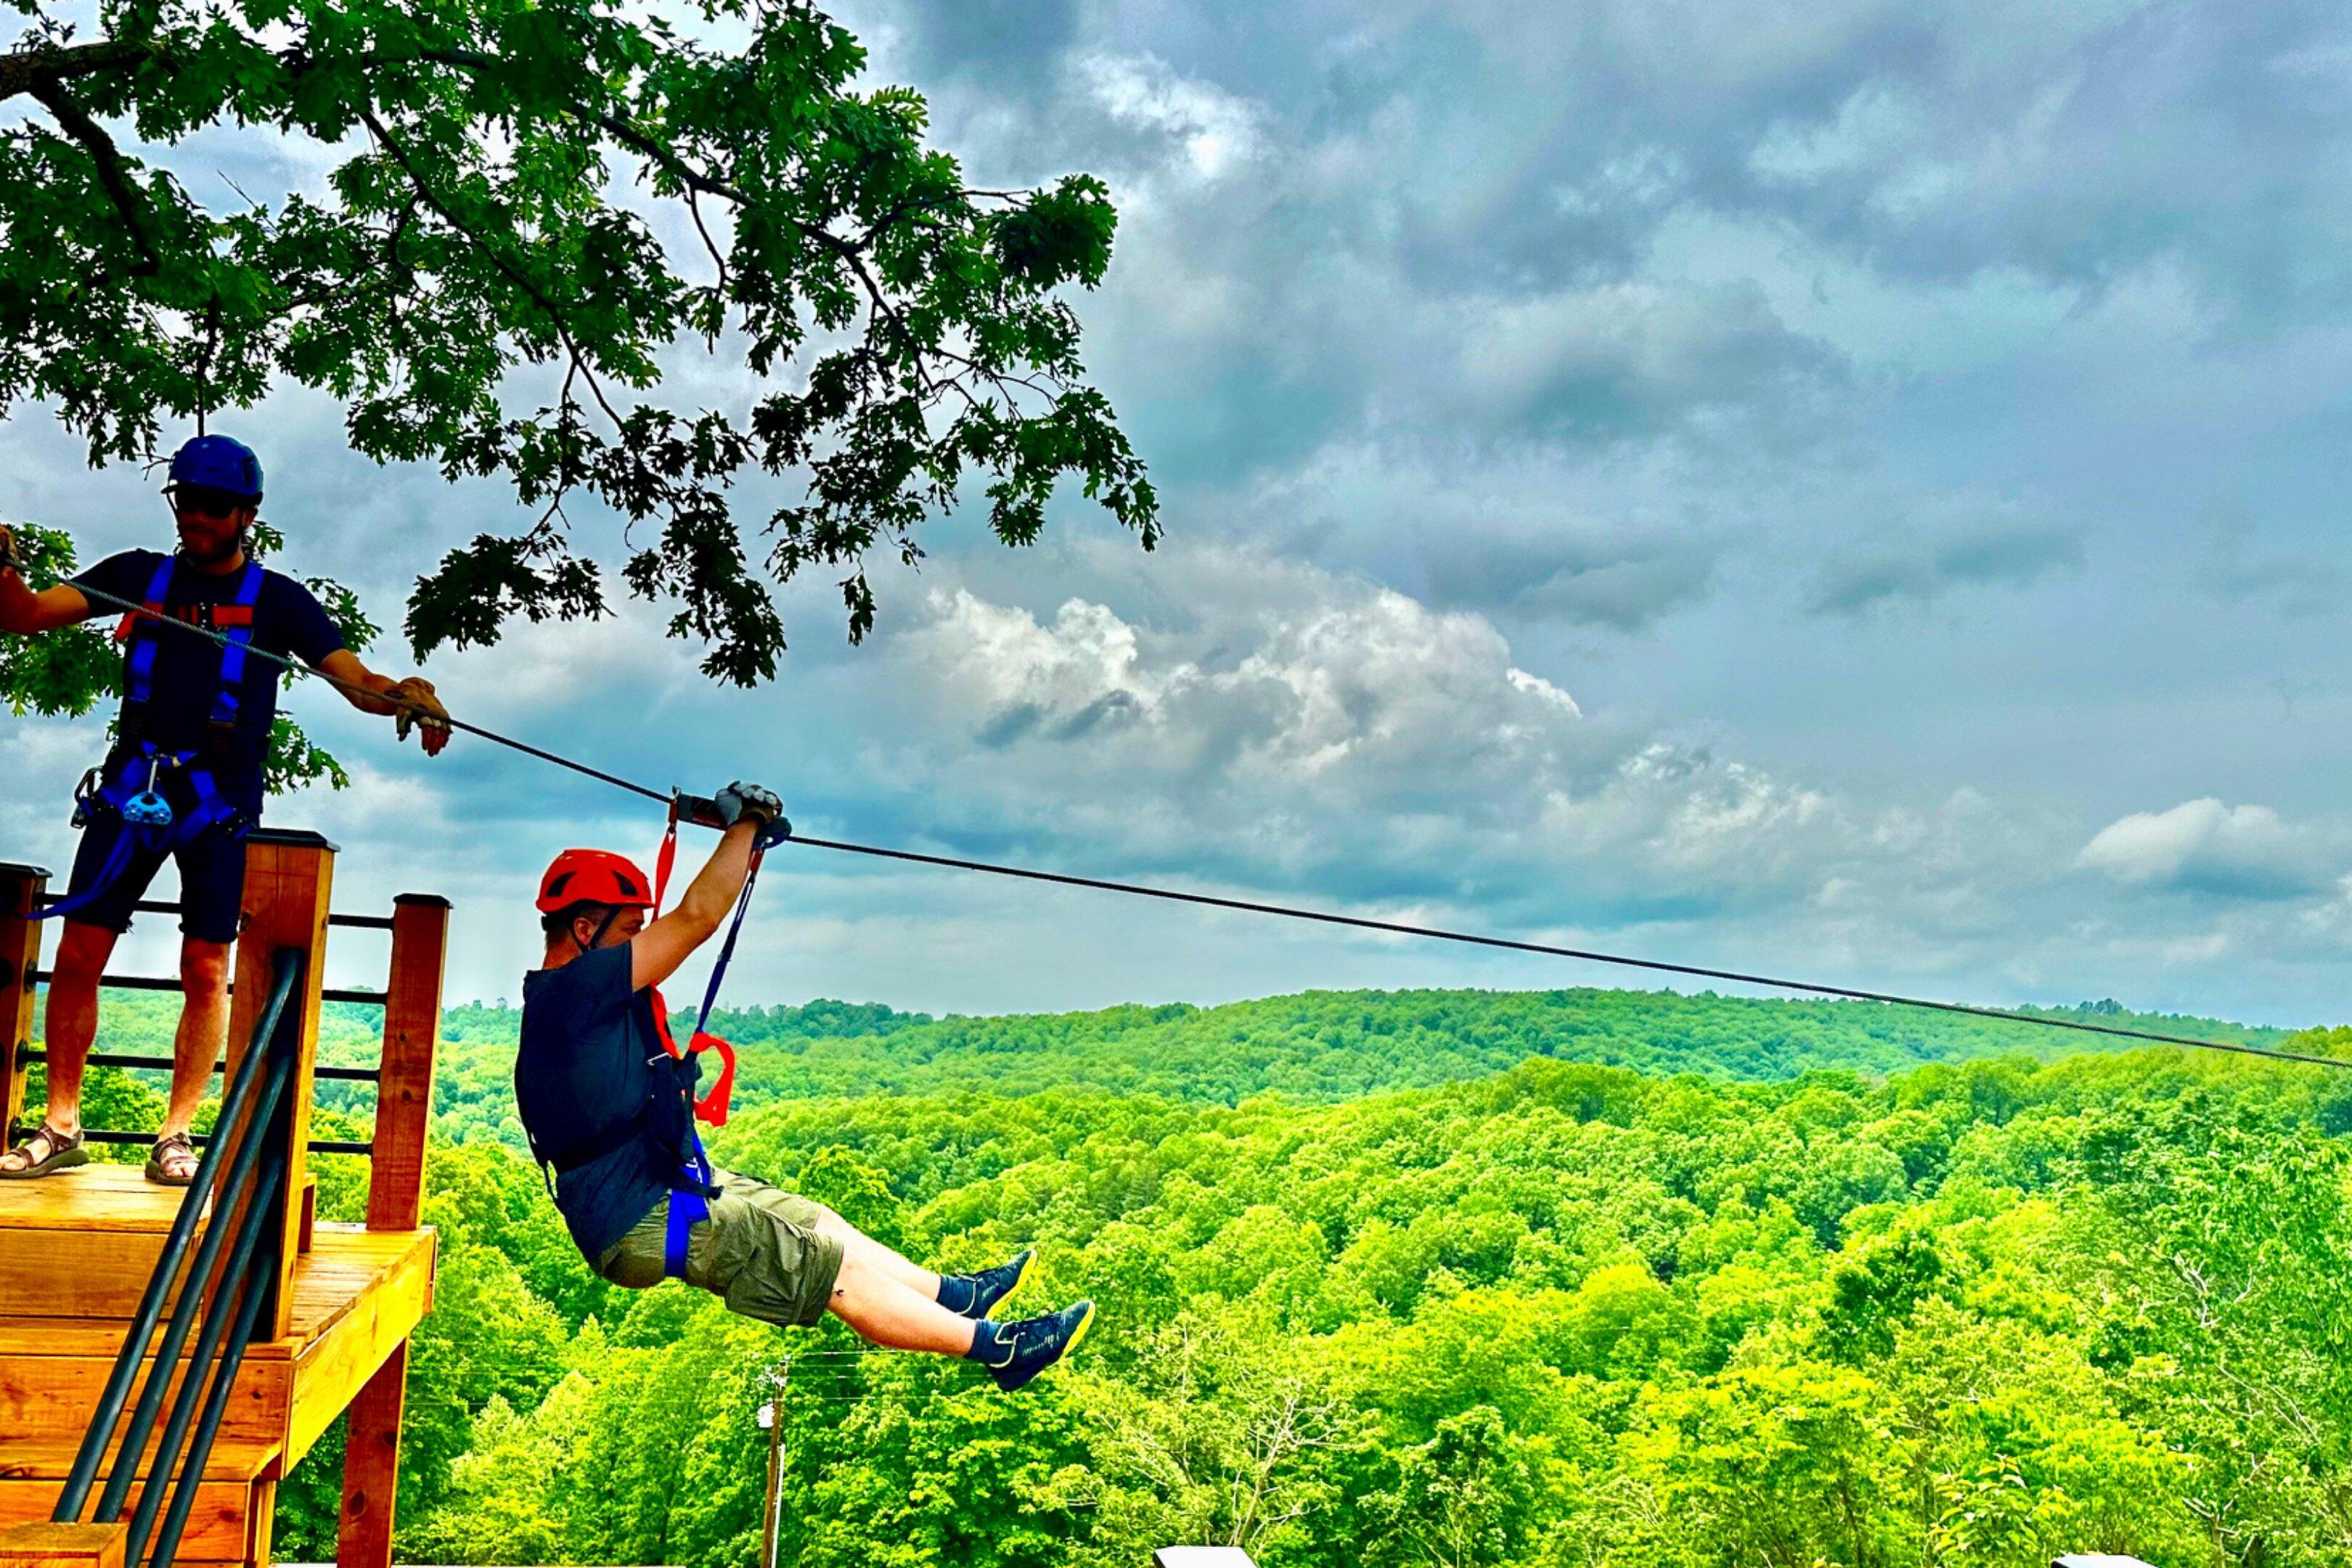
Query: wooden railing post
column 288, row 879
column 21, row 888
column 412, row 1036
column 403, row 1110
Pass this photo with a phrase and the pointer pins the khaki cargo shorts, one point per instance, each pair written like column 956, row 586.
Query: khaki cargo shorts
column 760, row 1249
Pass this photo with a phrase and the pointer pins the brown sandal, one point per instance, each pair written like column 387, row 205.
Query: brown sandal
column 172, row 1162
column 59, row 1151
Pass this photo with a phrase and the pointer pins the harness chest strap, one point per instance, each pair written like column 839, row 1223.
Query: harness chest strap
column 142, row 634
column 712, row 1107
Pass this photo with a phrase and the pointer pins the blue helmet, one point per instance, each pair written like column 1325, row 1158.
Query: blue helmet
column 221, row 463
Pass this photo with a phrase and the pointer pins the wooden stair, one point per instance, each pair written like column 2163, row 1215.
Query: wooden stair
column 89, row 1237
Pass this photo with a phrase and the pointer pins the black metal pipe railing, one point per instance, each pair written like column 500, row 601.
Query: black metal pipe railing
column 32, row 1055
column 360, row 922
column 286, row 974
column 247, row 1143
column 192, row 1468
column 205, row 1140
column 119, row 981
column 217, row 1316
column 358, row 995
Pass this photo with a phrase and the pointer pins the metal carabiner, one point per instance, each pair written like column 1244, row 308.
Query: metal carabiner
column 148, row 808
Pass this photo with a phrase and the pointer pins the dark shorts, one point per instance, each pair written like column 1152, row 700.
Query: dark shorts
column 212, row 881
column 760, row 1249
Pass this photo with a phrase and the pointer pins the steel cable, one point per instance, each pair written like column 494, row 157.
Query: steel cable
column 1282, row 911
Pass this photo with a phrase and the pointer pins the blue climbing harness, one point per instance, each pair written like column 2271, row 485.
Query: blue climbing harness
column 128, row 787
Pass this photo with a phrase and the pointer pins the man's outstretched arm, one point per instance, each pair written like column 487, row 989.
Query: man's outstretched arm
column 655, row 952
column 371, row 691
column 25, row 612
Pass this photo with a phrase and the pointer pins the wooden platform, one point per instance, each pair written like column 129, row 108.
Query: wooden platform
column 76, row 1249
column 87, row 1238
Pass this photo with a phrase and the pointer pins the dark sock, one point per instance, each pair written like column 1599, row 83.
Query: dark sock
column 985, row 1348
column 958, row 1291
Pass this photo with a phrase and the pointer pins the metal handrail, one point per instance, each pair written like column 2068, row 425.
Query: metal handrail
column 203, row 1140
column 357, row 995
column 286, row 974
column 33, row 1056
column 360, row 922
column 208, row 1344
column 192, row 1468
column 121, row 982
column 248, row 1143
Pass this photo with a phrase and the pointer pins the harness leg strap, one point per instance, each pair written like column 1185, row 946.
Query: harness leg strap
column 687, row 1210
column 117, row 860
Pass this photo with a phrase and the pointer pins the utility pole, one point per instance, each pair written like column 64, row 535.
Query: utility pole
column 771, row 1421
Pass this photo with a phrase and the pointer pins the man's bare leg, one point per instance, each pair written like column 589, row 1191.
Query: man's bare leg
column 70, row 1026
column 203, row 1029
column 891, row 1314
column 856, row 1243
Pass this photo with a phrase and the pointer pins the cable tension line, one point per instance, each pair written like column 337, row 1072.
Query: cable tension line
column 1255, row 907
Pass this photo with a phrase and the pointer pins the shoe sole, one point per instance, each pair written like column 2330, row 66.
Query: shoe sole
column 1077, row 1335
column 1069, row 1346
column 1028, row 1266
column 68, row 1161
column 163, row 1178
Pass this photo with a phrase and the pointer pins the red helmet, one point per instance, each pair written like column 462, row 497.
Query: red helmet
column 593, row 876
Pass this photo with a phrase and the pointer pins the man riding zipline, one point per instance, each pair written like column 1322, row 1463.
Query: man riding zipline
column 183, row 778
column 607, row 1101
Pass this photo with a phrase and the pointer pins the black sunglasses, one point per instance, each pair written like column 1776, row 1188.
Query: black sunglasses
column 206, row 501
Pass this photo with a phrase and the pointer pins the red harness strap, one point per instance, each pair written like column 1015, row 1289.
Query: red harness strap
column 219, row 618
column 711, row 1107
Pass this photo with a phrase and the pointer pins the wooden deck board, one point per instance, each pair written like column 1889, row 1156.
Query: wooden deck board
column 356, row 1296
column 220, row 1523
column 90, row 1197
column 346, row 1263
column 50, row 1456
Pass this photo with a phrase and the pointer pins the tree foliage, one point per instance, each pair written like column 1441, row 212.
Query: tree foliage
column 536, row 208
column 1564, row 1315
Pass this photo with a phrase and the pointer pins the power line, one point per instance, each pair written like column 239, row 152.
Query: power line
column 1255, row 907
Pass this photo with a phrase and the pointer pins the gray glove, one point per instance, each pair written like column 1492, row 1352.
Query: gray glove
column 741, row 800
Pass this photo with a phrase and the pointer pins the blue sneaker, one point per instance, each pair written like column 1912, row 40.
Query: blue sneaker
column 976, row 1295
column 1016, row 1353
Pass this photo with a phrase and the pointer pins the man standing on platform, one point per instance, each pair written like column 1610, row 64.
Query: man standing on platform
column 184, row 779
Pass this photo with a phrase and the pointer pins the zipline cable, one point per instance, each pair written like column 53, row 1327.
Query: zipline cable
column 1254, row 907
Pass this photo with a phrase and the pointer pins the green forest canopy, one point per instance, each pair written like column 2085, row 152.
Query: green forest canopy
column 1561, row 1315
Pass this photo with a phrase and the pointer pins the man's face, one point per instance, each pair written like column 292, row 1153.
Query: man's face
column 212, row 522
column 626, row 924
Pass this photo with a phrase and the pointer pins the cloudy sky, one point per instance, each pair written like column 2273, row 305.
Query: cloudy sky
column 1847, row 488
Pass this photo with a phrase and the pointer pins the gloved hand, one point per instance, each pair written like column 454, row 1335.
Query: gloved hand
column 10, row 560
column 740, row 801
column 420, row 710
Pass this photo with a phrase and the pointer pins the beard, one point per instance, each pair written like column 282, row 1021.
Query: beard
column 208, row 552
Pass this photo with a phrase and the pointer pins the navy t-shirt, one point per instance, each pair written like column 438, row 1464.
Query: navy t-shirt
column 287, row 620
column 581, row 1068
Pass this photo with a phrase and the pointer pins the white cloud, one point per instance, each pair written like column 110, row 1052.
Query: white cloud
column 2210, row 846
column 1214, row 130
